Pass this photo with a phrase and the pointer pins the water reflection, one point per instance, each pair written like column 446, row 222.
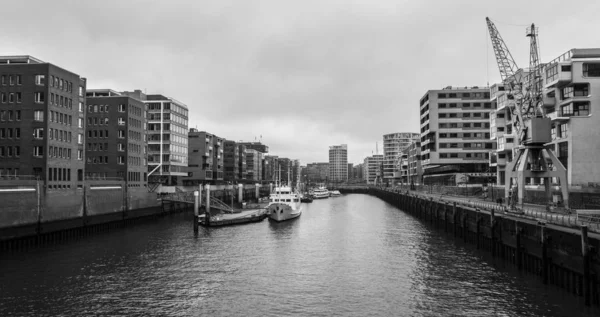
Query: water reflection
column 350, row 256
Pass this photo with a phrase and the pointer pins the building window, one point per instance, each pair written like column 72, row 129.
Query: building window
column 121, row 134
column 121, row 108
column 591, row 69
column 80, row 155
column 38, row 115
column 80, row 106
column 38, row 133
column 40, row 80
column 80, row 138
column 80, row 123
column 120, row 147
column 563, row 131
column 121, row 160
column 121, row 121
column 38, row 151
column 81, row 91
column 38, row 97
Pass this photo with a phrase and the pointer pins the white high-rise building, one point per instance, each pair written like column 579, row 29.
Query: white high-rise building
column 393, row 144
column 338, row 163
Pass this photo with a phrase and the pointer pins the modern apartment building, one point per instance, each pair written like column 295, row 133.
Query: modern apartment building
column 455, row 135
column 410, row 165
column 231, row 160
column 242, row 172
column 373, row 168
column 205, row 159
column 338, row 163
column 285, row 164
column 571, row 88
column 316, row 172
column 357, row 172
column 116, row 137
column 167, row 137
column 254, row 164
column 393, row 144
column 271, row 168
column 42, row 122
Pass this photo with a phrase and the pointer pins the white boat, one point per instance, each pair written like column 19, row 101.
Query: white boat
column 335, row 193
column 320, row 193
column 284, row 204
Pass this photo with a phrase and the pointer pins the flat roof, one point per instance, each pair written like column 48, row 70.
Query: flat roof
column 20, row 59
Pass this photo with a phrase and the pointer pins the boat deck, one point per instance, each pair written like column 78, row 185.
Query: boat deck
column 244, row 216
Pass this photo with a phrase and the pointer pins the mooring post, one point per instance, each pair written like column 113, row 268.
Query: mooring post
column 257, row 191
column 478, row 230
column 445, row 217
column 518, row 255
column 454, row 218
column 464, row 225
column 196, row 211
column 585, row 249
column 207, row 213
column 270, row 188
column 493, row 231
column 544, row 238
column 240, row 193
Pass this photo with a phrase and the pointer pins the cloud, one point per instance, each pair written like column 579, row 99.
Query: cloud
column 303, row 74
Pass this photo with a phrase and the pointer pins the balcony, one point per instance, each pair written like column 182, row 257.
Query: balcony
column 505, row 143
column 558, row 75
column 556, row 117
column 549, row 100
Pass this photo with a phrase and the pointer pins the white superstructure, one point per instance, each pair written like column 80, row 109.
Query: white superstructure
column 284, row 204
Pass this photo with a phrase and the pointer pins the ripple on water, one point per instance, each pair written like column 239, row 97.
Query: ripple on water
column 347, row 256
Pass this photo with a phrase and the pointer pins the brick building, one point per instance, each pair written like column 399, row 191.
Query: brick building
column 42, row 112
column 205, row 158
column 116, row 137
column 231, row 158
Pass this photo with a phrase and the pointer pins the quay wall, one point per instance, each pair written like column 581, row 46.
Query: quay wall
column 563, row 256
column 29, row 212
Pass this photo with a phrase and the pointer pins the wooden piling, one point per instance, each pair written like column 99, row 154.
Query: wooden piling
column 544, row 255
column 196, row 211
column 586, row 264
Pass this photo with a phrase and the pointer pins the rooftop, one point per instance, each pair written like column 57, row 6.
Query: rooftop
column 20, row 59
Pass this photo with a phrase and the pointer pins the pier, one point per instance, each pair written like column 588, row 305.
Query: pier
column 559, row 249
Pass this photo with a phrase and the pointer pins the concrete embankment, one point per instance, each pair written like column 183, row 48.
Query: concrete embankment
column 565, row 256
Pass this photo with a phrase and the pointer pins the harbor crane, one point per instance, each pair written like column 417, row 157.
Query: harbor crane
column 532, row 161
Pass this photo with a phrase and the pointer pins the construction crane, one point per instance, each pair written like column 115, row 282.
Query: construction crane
column 531, row 160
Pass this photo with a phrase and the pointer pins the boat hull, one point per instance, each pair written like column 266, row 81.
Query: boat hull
column 282, row 212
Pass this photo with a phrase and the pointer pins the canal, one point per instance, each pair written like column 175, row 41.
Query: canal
column 353, row 255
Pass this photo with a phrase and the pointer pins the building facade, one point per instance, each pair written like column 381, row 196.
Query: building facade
column 205, row 159
column 455, row 135
column 167, row 139
column 242, row 172
column 271, row 168
column 253, row 164
column 231, row 158
column 258, row 146
column 116, row 137
column 571, row 91
column 393, row 144
column 410, row 165
column 42, row 122
column 338, row 163
column 316, row 172
column 373, row 169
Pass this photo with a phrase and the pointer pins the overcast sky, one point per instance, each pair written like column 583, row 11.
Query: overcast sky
column 303, row 74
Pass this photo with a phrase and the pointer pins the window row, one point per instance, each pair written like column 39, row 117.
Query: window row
column 134, row 135
column 59, row 174
column 11, row 80
column 61, row 84
column 168, row 106
column 99, row 108
column 485, row 115
column 61, row 118
column 467, row 145
column 10, row 133
column 577, row 108
column 97, row 147
column 465, row 155
column 97, row 121
column 59, row 152
column 60, row 101
column 486, row 105
column 464, row 125
column 97, row 133
column 479, row 135
column 12, row 97
column 10, row 115
column 134, row 123
column 474, row 95
column 59, row 135
column 10, row 151
column 560, row 131
column 97, row 159
column 9, row 172
column 134, row 161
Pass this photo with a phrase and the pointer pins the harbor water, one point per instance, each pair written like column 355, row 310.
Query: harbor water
column 353, row 255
